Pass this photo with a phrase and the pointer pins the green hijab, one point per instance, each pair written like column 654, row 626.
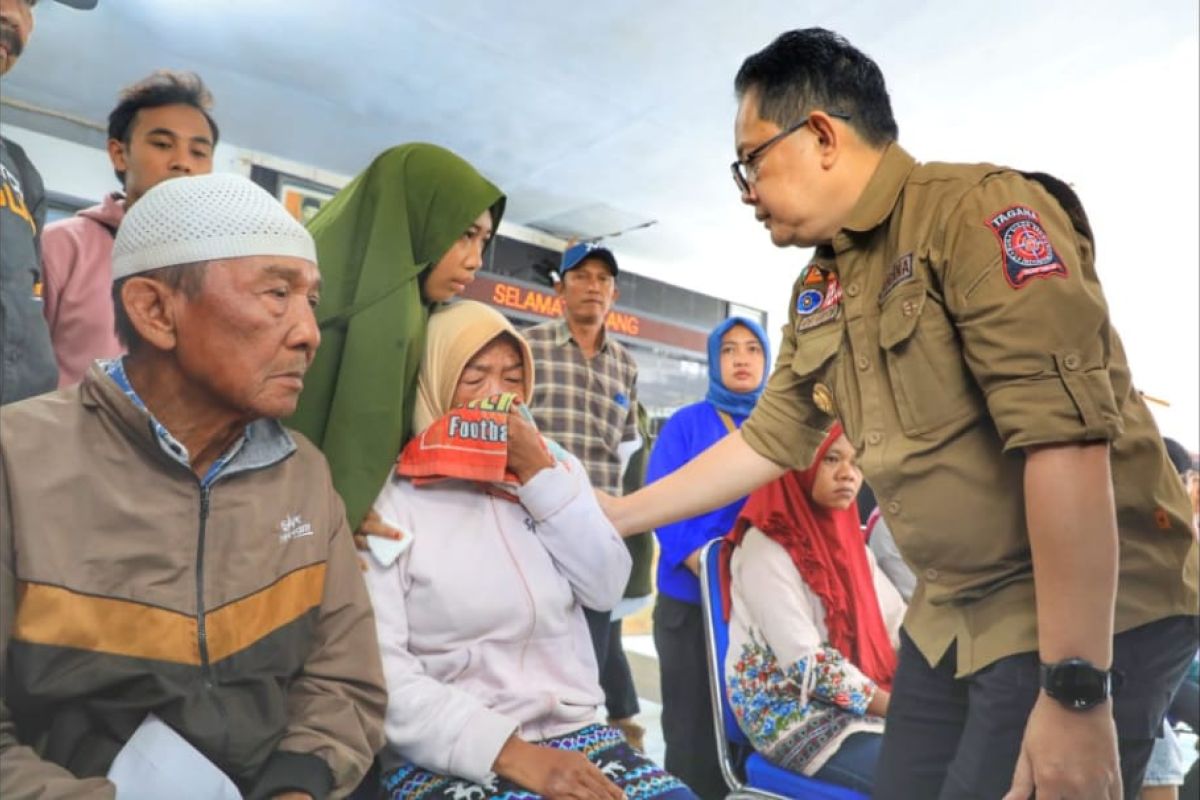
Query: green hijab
column 375, row 241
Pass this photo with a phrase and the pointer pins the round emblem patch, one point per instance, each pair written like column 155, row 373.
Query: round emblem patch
column 1027, row 244
column 809, row 301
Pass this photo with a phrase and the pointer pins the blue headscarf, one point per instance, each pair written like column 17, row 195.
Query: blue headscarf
column 734, row 402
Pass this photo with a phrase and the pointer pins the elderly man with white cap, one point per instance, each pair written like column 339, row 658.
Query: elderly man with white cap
column 168, row 551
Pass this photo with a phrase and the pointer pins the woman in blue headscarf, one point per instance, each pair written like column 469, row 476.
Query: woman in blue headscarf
column 737, row 372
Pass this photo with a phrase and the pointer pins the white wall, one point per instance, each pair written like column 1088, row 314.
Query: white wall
column 67, row 167
column 85, row 172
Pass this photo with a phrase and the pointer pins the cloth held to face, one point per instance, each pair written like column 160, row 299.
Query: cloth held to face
column 468, row 443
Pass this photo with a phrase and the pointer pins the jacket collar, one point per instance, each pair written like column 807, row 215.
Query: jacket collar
column 265, row 443
column 882, row 192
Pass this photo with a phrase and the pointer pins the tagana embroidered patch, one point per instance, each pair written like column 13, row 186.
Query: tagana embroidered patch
column 1024, row 246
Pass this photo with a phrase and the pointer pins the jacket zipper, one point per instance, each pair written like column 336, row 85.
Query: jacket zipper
column 201, row 628
column 202, row 633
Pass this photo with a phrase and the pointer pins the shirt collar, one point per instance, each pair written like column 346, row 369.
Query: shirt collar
column 882, row 192
column 562, row 335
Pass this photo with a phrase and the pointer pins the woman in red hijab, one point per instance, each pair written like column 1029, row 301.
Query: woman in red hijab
column 814, row 624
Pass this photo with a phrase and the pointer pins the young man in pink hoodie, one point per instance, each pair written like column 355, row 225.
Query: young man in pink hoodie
column 160, row 129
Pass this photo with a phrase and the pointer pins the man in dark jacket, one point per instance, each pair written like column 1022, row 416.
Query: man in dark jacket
column 27, row 364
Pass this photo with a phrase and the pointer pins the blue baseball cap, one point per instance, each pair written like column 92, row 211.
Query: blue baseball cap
column 83, row 5
column 575, row 255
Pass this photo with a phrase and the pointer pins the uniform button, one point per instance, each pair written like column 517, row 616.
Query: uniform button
column 874, row 437
column 864, row 363
column 908, row 308
column 894, row 507
column 932, row 575
column 1071, row 361
column 823, row 398
column 852, row 290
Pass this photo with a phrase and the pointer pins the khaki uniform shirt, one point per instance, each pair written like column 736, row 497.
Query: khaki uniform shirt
column 955, row 320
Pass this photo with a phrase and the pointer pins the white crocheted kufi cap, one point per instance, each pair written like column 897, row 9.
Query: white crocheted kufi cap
column 204, row 218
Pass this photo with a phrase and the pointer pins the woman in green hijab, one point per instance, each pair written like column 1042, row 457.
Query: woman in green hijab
column 406, row 234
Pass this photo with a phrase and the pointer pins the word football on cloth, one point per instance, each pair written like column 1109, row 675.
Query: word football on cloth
column 467, row 443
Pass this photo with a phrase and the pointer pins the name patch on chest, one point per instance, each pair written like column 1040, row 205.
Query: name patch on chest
column 899, row 272
column 1026, row 251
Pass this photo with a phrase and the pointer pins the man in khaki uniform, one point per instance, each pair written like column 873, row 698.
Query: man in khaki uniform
column 952, row 319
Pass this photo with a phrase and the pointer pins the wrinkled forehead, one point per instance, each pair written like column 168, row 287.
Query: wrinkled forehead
column 295, row 271
column 501, row 351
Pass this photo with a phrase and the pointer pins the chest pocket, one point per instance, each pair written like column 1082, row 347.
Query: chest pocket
column 608, row 416
column 812, row 362
column 930, row 382
column 815, row 348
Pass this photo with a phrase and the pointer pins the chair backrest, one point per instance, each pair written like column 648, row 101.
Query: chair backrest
column 716, row 635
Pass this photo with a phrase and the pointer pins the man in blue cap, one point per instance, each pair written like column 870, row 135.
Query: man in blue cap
column 27, row 365
column 585, row 398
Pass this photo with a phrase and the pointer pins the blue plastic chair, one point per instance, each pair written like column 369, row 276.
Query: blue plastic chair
column 757, row 778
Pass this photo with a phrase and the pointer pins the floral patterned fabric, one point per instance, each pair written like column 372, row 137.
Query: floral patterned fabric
column 797, row 714
column 796, row 696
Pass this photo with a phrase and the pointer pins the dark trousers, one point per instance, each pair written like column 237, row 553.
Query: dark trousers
column 854, row 763
column 687, row 718
column 616, row 679
column 953, row 738
column 1185, row 705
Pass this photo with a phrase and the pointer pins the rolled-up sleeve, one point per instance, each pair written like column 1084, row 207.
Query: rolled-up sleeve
column 1038, row 342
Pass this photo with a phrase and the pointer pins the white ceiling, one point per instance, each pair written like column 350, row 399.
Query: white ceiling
column 593, row 117
column 598, row 116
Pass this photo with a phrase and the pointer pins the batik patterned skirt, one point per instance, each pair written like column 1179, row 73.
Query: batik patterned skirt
column 637, row 776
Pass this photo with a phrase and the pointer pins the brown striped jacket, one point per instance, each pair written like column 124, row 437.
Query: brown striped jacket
column 236, row 613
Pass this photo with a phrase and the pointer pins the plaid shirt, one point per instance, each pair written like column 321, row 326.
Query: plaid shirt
column 586, row 405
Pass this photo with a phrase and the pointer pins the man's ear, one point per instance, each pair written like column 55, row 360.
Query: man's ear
column 830, row 138
column 116, row 154
column 558, row 287
column 616, row 293
column 150, row 305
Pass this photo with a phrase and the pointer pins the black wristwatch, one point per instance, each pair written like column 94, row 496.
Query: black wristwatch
column 1078, row 684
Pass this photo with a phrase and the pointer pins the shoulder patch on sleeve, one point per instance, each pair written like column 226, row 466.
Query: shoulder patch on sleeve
column 1024, row 246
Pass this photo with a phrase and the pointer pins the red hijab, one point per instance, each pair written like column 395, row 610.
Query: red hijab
column 827, row 548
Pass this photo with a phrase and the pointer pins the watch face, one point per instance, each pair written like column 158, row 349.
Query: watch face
column 1080, row 685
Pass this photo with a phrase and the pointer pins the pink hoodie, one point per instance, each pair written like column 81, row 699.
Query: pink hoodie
column 77, row 265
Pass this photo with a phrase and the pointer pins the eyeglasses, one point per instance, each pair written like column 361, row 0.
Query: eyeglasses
column 745, row 171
